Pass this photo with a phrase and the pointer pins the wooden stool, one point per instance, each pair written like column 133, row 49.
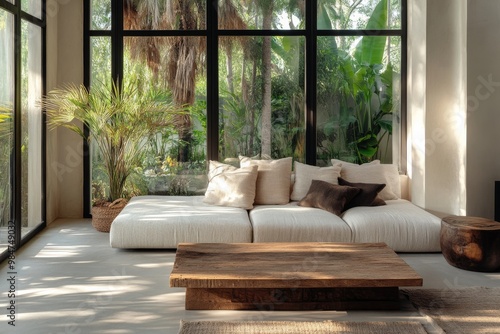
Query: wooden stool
column 471, row 243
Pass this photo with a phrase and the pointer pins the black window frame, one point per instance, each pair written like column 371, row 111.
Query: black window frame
column 212, row 34
column 16, row 162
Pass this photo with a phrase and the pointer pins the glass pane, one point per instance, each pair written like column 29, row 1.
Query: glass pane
column 356, row 14
column 164, row 15
column 6, row 121
column 358, row 101
column 100, row 14
column 100, row 60
column 11, row 1
column 33, row 7
column 31, row 126
column 261, row 97
column 173, row 159
column 256, row 15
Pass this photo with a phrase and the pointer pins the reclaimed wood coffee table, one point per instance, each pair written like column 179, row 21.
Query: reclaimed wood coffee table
column 291, row 276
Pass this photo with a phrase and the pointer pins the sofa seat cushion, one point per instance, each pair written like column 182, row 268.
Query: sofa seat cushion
column 166, row 221
column 293, row 223
column 402, row 225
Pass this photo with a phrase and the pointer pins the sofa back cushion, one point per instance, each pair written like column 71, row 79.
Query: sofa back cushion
column 304, row 174
column 231, row 186
column 273, row 179
column 387, row 174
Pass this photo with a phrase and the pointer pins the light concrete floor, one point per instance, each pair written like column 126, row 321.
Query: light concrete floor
column 69, row 280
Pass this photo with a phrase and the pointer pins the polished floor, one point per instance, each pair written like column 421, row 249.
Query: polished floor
column 68, row 280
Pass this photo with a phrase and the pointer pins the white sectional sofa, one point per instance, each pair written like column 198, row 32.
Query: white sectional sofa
column 166, row 221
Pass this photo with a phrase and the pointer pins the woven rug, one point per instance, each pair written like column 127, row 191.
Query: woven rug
column 466, row 310
column 298, row 327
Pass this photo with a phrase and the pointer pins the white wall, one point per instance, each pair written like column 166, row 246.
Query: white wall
column 64, row 65
column 445, row 144
column 483, row 106
column 436, row 104
column 417, row 64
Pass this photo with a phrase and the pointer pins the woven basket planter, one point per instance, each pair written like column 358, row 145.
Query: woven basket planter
column 103, row 214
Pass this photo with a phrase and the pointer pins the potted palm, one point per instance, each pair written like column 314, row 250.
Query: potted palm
column 119, row 119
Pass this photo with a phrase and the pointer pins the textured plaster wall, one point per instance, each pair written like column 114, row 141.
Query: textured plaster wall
column 64, row 65
column 483, row 106
column 417, row 30
column 445, row 116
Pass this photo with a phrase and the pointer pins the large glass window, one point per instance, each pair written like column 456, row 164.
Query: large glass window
column 280, row 15
column 313, row 80
column 358, row 103
column 164, row 15
column 21, row 123
column 261, row 97
column 355, row 14
column 31, row 129
column 174, row 159
column 6, row 122
column 32, row 7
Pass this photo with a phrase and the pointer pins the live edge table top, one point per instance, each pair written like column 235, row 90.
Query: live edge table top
column 231, row 270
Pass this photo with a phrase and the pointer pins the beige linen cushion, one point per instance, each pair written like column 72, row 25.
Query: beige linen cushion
column 304, row 174
column 273, row 180
column 231, row 186
column 374, row 173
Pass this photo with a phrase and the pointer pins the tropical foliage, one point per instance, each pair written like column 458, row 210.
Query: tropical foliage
column 362, row 82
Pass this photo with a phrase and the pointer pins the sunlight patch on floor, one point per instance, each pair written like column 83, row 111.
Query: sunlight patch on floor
column 109, row 278
column 174, row 296
column 154, row 265
column 111, row 289
column 53, row 251
column 60, row 314
column 55, row 278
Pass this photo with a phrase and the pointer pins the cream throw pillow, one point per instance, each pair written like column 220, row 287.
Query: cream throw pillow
column 374, row 173
column 231, row 186
column 273, row 180
column 304, row 174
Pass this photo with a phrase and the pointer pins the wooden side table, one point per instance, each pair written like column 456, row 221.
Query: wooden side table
column 471, row 243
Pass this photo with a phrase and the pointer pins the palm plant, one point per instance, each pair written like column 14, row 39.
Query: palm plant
column 119, row 119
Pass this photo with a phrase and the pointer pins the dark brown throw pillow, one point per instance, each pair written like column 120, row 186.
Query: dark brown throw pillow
column 368, row 195
column 328, row 196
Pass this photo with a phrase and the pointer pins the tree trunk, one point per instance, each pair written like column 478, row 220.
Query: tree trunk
column 251, row 104
column 266, row 73
column 229, row 67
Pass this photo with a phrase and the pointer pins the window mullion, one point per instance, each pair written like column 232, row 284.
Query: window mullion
column 311, row 78
column 212, row 82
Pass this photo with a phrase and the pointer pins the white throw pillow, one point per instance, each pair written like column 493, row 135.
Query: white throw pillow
column 273, row 180
column 374, row 173
column 304, row 174
column 231, row 186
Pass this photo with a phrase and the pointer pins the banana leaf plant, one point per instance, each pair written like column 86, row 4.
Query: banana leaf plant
column 371, row 125
column 119, row 118
column 364, row 88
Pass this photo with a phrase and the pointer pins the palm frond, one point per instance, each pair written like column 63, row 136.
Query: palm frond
column 119, row 119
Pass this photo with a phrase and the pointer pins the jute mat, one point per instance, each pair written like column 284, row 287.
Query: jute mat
column 299, row 327
column 465, row 310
